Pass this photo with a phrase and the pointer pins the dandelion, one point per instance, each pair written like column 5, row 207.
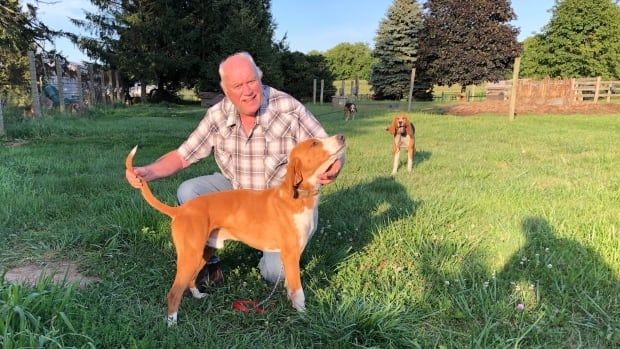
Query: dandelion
column 520, row 307
column 546, row 249
column 447, row 283
column 549, row 266
column 485, row 284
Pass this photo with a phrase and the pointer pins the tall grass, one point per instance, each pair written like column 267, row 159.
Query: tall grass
column 504, row 235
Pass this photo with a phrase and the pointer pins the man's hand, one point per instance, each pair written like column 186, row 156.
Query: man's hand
column 331, row 173
column 135, row 177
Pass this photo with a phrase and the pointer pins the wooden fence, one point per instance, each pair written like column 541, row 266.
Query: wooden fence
column 556, row 91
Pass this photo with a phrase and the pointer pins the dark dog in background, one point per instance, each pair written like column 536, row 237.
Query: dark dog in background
column 350, row 109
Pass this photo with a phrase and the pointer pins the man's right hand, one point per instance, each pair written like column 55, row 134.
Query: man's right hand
column 135, row 177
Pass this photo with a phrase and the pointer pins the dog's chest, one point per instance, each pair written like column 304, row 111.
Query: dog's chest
column 402, row 141
column 306, row 223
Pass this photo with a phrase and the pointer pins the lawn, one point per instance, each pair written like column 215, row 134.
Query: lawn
column 504, row 235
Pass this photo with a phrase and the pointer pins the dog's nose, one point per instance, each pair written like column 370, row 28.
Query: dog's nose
column 340, row 137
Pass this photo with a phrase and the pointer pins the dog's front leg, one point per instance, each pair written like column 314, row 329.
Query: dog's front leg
column 396, row 161
column 290, row 260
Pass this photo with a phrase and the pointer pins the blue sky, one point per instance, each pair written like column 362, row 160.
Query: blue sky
column 309, row 25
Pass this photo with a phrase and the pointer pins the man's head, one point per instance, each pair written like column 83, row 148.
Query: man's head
column 240, row 80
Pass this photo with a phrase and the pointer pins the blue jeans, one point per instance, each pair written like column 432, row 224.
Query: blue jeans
column 270, row 265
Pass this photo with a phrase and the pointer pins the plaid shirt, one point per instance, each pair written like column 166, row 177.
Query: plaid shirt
column 258, row 160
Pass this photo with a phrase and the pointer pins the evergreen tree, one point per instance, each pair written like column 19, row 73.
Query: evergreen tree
column 468, row 42
column 396, row 50
column 180, row 42
column 581, row 40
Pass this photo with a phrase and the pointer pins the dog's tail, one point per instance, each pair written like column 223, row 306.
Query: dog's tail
column 146, row 191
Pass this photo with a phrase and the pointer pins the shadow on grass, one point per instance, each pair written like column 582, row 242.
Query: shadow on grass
column 552, row 292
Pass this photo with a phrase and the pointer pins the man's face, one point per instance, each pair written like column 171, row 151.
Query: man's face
column 242, row 85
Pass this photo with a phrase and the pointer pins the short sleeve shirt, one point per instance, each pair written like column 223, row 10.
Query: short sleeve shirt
column 256, row 160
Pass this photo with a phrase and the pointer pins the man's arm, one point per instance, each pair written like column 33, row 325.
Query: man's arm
column 165, row 166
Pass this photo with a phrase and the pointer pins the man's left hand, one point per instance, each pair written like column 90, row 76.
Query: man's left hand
column 331, row 173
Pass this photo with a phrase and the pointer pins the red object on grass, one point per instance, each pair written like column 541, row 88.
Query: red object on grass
column 247, row 306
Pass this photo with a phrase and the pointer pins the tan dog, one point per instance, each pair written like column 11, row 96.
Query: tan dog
column 280, row 219
column 403, row 135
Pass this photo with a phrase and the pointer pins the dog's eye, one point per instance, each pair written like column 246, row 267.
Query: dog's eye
column 315, row 143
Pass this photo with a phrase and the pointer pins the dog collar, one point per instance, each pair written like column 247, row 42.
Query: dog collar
column 306, row 193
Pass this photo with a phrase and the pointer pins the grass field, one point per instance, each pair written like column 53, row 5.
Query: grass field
column 504, row 235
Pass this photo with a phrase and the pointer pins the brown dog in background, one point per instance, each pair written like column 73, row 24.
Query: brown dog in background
column 279, row 219
column 403, row 136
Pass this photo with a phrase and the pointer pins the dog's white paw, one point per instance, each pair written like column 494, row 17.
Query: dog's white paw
column 197, row 294
column 299, row 300
column 171, row 319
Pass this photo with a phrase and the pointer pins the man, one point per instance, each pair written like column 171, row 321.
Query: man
column 250, row 132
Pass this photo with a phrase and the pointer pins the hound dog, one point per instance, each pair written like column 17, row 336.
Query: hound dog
column 403, row 136
column 350, row 109
column 280, row 219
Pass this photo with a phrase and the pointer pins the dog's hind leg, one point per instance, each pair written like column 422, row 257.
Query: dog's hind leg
column 189, row 263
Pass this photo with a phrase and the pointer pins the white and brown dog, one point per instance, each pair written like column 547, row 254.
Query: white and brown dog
column 403, row 136
column 280, row 219
column 350, row 109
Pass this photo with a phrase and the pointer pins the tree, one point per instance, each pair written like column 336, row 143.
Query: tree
column 180, row 42
column 396, row 50
column 347, row 60
column 300, row 70
column 468, row 42
column 533, row 58
column 19, row 33
column 581, row 39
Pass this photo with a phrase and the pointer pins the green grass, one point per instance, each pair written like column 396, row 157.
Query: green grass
column 495, row 214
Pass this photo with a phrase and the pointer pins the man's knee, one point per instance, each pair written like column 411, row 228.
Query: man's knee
column 186, row 192
column 270, row 267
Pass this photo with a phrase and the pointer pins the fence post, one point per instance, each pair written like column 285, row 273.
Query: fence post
column 314, row 91
column 102, row 87
column 609, row 92
column 91, row 85
column 2, row 131
column 411, row 88
column 117, row 89
column 598, row 86
column 322, row 86
column 36, row 100
column 59, row 85
column 80, row 91
column 357, row 85
column 513, row 91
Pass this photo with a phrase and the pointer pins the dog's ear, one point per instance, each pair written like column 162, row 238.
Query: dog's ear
column 294, row 176
column 410, row 129
column 392, row 128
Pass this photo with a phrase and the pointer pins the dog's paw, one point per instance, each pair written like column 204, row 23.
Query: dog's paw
column 171, row 319
column 299, row 300
column 197, row 294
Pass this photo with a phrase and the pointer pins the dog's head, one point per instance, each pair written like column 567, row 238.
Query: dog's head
column 401, row 125
column 351, row 107
column 311, row 158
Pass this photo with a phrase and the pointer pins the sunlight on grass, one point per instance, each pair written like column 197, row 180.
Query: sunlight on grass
column 504, row 235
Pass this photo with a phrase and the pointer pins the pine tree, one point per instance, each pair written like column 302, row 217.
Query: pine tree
column 581, row 40
column 468, row 42
column 396, row 50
